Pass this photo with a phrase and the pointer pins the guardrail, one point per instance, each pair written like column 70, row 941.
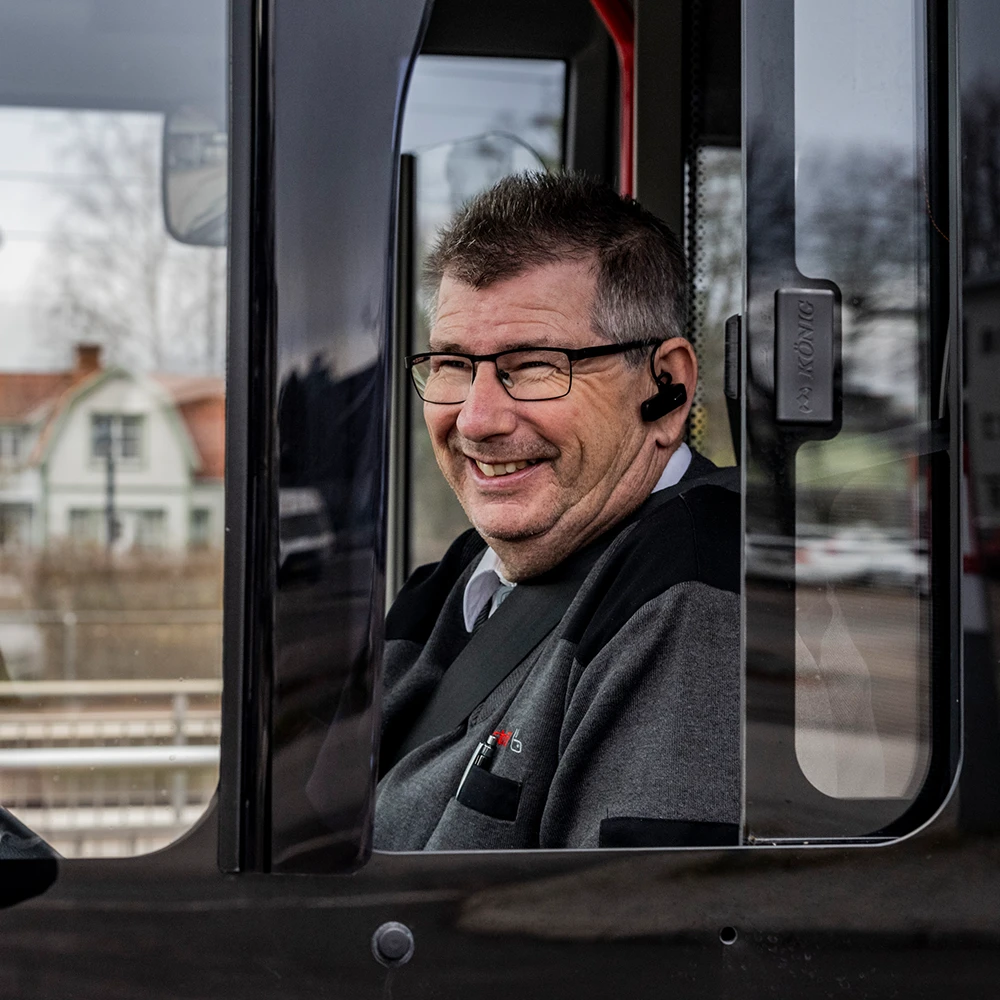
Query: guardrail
column 105, row 689
column 82, row 785
column 116, row 757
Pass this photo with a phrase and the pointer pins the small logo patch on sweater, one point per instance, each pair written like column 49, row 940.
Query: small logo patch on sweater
column 508, row 738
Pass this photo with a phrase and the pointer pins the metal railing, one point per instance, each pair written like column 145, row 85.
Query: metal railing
column 94, row 776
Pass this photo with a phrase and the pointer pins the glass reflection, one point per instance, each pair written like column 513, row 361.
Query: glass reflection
column 861, row 517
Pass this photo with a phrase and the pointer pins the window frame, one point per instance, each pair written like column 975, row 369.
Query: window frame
column 770, row 760
column 118, row 420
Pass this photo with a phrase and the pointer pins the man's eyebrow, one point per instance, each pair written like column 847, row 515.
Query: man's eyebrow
column 445, row 348
column 508, row 345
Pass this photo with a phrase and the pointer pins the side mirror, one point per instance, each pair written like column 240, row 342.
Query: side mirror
column 195, row 177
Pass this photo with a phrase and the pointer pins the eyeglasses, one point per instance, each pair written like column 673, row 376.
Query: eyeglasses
column 528, row 374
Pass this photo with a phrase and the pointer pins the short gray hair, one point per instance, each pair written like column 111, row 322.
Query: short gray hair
column 528, row 220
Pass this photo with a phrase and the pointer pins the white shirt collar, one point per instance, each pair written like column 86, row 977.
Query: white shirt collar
column 487, row 579
column 674, row 469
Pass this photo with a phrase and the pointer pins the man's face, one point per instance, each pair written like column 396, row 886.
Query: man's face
column 582, row 462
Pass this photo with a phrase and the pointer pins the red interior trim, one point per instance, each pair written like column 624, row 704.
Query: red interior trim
column 618, row 18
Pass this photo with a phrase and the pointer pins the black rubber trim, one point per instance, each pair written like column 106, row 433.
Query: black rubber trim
column 640, row 831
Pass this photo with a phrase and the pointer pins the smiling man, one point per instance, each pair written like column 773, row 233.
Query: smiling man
column 568, row 674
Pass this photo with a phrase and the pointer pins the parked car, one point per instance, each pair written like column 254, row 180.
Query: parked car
column 305, row 539
column 864, row 554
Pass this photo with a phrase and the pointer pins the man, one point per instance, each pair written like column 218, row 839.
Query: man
column 568, row 674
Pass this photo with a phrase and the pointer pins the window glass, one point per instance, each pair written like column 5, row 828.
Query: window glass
column 11, row 443
column 201, row 527
column 978, row 29
column 111, row 461
column 130, row 438
column 116, row 436
column 715, row 248
column 469, row 122
column 862, row 518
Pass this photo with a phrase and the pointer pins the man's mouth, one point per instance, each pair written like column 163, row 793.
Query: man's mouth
column 503, row 468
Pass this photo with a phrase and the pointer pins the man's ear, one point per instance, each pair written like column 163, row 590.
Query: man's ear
column 675, row 357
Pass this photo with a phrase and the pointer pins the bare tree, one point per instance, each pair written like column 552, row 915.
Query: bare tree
column 114, row 276
column 865, row 220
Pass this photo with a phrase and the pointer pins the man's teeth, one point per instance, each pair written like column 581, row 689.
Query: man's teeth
column 503, row 469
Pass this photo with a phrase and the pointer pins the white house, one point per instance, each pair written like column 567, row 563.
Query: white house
column 94, row 447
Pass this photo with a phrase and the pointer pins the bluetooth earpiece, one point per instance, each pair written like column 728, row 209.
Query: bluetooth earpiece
column 668, row 397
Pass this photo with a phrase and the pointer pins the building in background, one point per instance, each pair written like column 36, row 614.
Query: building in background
column 91, row 447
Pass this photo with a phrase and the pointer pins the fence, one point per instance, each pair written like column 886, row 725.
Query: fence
column 77, row 644
column 109, row 767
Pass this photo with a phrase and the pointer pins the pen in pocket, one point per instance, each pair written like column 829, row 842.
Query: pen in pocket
column 482, row 757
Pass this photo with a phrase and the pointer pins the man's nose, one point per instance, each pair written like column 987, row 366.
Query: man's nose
column 487, row 410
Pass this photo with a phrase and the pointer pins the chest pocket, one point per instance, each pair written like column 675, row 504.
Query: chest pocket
column 490, row 793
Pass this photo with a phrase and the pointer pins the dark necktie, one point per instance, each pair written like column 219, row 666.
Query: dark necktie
column 482, row 616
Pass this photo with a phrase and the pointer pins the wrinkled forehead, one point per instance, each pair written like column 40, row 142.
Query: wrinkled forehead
column 547, row 305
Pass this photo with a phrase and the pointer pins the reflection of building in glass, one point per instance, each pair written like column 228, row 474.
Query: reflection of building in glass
column 95, row 448
column 981, row 299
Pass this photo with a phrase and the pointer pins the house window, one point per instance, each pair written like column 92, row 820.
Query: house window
column 131, row 438
column 15, row 526
column 101, row 436
column 11, row 445
column 201, row 522
column 85, row 526
column 117, row 434
column 150, row 529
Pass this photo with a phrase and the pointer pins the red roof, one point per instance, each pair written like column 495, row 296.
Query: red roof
column 206, row 423
column 23, row 393
column 201, row 402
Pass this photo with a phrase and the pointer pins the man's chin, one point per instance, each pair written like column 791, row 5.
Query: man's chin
column 510, row 531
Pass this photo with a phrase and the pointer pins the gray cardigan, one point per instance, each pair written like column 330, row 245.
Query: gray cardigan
column 620, row 728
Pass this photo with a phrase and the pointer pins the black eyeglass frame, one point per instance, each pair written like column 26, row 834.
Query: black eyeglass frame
column 572, row 354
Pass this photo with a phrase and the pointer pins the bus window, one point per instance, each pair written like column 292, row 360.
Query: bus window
column 980, row 121
column 838, row 705
column 861, row 558
column 468, row 122
column 112, row 429
column 479, row 808
column 714, row 246
column 849, row 432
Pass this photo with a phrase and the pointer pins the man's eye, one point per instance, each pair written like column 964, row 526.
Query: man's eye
column 525, row 365
column 459, row 364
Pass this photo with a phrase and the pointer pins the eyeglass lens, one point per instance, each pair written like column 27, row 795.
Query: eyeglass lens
column 526, row 375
